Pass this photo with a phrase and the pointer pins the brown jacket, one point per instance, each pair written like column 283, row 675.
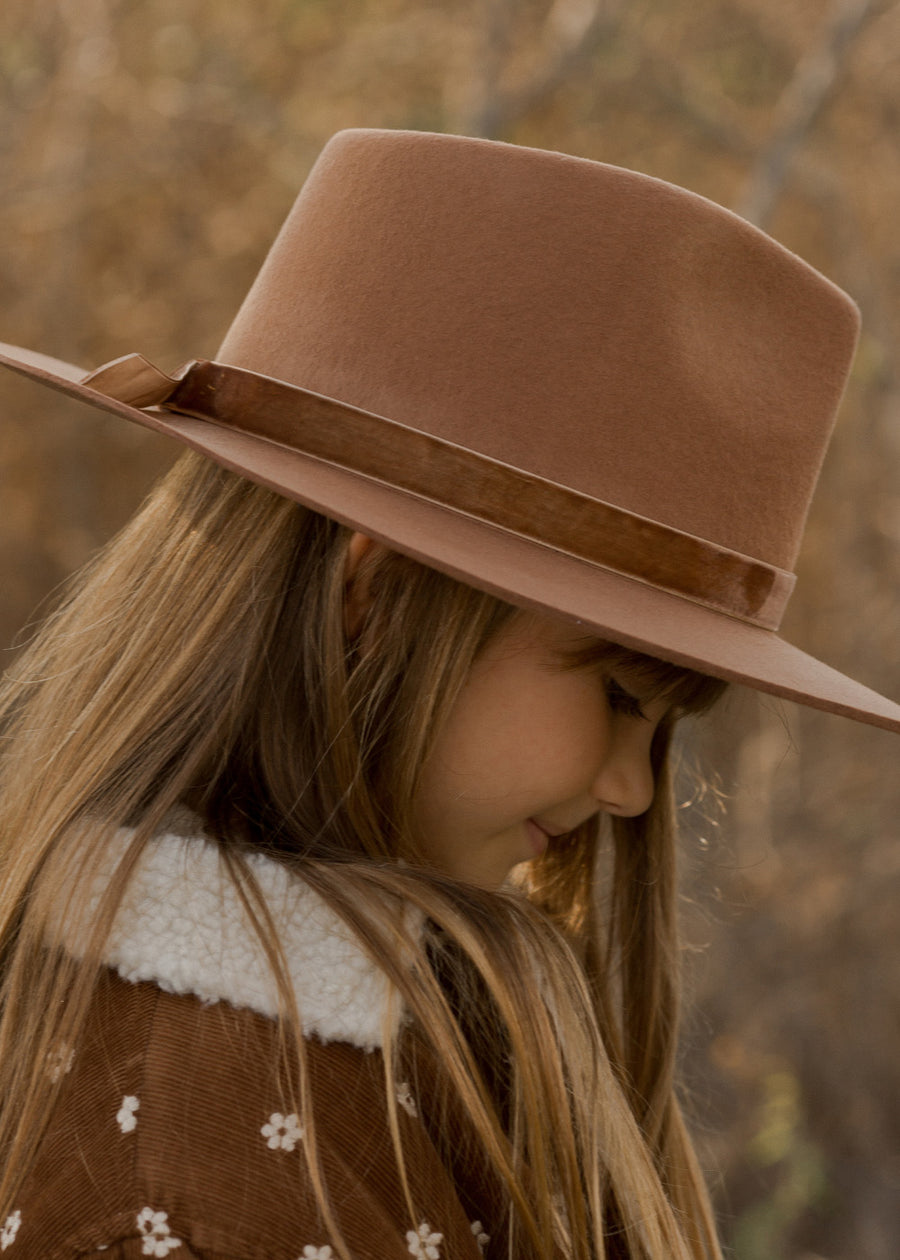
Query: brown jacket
column 169, row 1137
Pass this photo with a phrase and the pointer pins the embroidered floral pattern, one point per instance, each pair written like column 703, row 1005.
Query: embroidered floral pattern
column 156, row 1233
column 423, row 1244
column 59, row 1061
column 480, row 1236
column 406, row 1100
column 125, row 1117
column 282, row 1132
column 317, row 1253
column 10, row 1229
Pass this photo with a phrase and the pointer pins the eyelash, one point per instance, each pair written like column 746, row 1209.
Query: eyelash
column 621, row 701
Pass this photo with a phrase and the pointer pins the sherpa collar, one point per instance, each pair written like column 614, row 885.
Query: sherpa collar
column 182, row 926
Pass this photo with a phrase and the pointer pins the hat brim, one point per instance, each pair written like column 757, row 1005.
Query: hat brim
column 516, row 569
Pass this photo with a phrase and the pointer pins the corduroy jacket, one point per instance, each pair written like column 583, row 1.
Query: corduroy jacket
column 169, row 1137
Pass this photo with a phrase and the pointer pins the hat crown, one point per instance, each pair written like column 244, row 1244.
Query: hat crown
column 603, row 329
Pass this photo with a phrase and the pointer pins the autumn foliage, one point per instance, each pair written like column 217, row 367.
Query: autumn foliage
column 149, row 153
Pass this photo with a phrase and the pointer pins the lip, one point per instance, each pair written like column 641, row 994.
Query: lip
column 538, row 838
column 541, row 835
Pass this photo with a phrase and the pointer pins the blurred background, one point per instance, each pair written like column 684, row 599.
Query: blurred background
column 149, row 153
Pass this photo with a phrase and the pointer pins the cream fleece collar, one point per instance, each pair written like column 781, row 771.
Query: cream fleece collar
column 182, row 926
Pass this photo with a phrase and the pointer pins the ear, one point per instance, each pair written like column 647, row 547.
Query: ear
column 357, row 581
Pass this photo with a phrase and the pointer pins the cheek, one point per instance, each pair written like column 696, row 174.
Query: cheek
column 512, row 731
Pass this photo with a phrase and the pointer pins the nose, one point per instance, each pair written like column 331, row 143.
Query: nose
column 625, row 783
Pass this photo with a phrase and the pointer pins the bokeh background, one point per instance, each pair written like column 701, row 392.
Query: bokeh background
column 148, row 155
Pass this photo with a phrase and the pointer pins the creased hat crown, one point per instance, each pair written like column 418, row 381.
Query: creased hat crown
column 603, row 329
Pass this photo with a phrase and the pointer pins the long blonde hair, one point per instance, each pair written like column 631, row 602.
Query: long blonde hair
column 201, row 660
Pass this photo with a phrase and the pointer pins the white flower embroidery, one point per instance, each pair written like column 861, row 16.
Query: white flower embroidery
column 125, row 1116
column 406, row 1100
column 423, row 1244
column 282, row 1131
column 156, row 1233
column 59, row 1061
column 10, row 1229
column 317, row 1253
column 480, row 1236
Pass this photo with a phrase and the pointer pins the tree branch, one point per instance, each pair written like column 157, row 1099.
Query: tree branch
column 574, row 29
column 814, row 82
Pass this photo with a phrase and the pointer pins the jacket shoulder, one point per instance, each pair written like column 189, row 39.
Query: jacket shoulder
column 174, row 1134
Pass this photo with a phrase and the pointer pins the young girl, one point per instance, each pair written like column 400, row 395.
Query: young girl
column 338, row 891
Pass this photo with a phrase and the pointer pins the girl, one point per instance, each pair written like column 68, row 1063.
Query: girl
column 311, row 946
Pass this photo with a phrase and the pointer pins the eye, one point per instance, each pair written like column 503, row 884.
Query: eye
column 622, row 701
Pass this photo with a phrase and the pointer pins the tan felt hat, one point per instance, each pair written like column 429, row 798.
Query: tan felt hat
column 580, row 388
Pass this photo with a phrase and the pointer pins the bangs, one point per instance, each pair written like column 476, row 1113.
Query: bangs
column 687, row 691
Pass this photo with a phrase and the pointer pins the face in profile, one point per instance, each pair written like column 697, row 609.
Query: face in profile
column 532, row 750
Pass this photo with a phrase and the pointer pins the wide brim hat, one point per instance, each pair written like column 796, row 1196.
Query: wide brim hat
column 581, row 389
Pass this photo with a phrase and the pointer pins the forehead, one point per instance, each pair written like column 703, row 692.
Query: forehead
column 575, row 646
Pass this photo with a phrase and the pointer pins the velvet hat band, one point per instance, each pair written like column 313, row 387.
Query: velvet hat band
column 469, row 482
